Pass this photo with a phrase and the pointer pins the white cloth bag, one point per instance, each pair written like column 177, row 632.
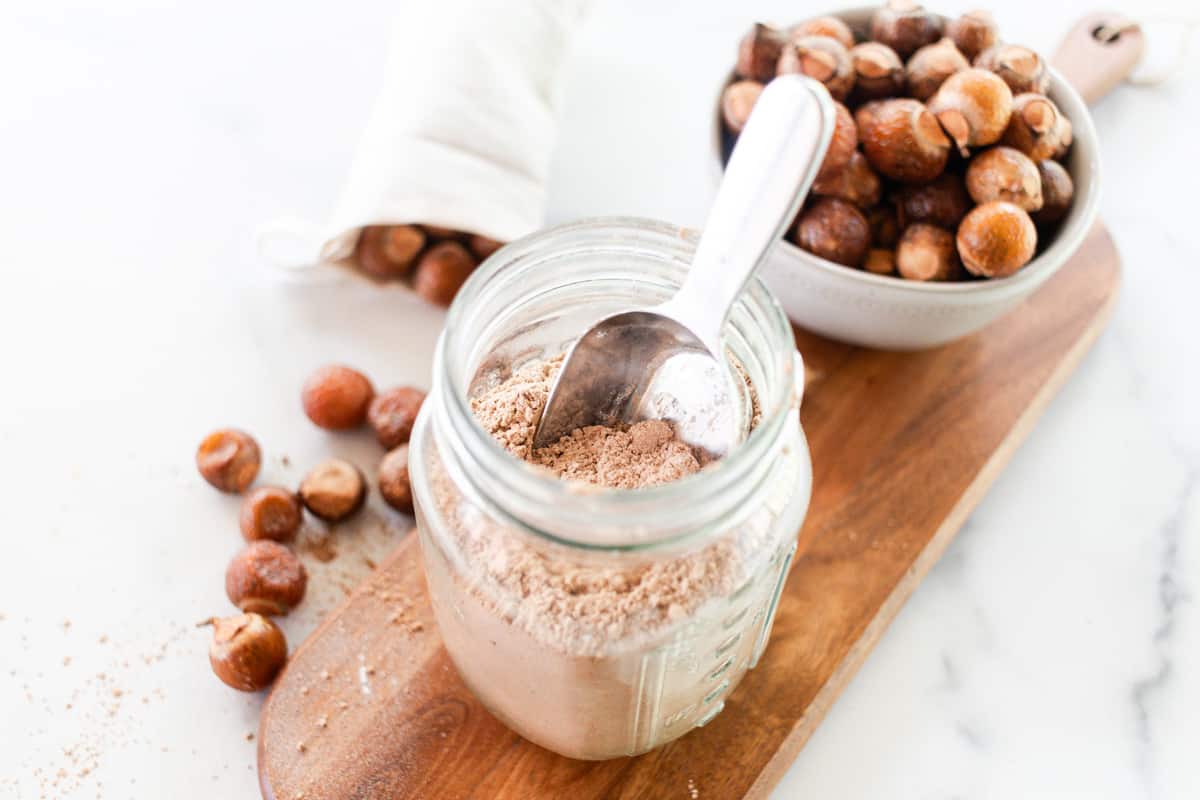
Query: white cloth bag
column 462, row 132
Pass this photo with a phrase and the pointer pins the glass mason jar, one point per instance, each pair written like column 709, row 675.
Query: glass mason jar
column 602, row 623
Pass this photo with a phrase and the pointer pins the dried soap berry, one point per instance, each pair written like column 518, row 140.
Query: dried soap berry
column 973, row 32
column 905, row 27
column 229, row 459
column 1019, row 67
column 878, row 71
column 1005, row 173
column 926, row 253
column 1037, row 128
column 758, row 53
column 482, row 247
column 996, row 239
column 336, row 397
column 270, row 512
column 393, row 480
column 842, row 145
column 1057, row 192
column 856, row 183
column 973, row 106
column 822, row 59
column 333, row 490
column 393, row 413
column 880, row 261
column 834, row 230
column 737, row 101
column 247, row 651
column 902, row 140
column 442, row 271
column 942, row 202
column 930, row 66
column 832, row 27
column 265, row 578
column 388, row 251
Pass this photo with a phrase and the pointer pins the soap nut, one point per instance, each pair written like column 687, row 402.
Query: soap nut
column 335, row 397
column 394, row 483
column 942, row 202
column 832, row 27
column 926, row 253
column 1058, row 190
column 1019, row 67
column 442, row 271
column 930, row 66
column 996, row 239
column 265, row 578
column 270, row 512
column 905, row 26
column 737, row 101
column 758, row 53
column 902, row 139
column 878, row 71
column 1005, row 173
column 229, row 459
column 973, row 32
column 1037, row 128
column 333, row 490
column 834, row 230
column 393, row 413
column 388, row 251
column 974, row 107
column 855, row 183
column 821, row 58
column 247, row 651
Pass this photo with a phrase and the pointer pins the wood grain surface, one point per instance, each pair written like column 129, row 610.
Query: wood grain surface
column 904, row 446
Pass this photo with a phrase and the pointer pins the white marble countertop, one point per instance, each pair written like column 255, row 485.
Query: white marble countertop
column 1054, row 652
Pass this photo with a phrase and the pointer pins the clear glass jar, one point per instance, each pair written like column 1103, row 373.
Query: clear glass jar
column 602, row 623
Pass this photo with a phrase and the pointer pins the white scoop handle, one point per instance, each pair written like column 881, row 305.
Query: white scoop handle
column 772, row 167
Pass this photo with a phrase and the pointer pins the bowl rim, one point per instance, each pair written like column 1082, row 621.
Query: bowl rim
column 1067, row 238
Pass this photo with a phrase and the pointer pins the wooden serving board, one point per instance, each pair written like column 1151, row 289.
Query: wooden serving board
column 904, row 447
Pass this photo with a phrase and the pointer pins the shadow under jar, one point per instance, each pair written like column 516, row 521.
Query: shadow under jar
column 602, row 622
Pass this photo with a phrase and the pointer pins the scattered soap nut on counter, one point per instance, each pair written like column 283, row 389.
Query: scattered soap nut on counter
column 266, row 578
column 418, row 255
column 333, row 490
column 270, row 512
column 936, row 118
column 336, row 397
column 393, row 413
column 229, row 459
column 247, row 651
column 394, row 484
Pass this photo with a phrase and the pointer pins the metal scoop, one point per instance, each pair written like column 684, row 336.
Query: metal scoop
column 667, row 362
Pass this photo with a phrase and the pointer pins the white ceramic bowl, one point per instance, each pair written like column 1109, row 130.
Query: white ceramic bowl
column 891, row 313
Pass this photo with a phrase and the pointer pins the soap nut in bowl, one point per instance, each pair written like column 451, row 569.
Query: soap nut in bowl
column 861, row 304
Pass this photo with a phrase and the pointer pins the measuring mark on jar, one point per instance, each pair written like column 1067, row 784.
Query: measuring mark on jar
column 721, row 670
column 728, row 644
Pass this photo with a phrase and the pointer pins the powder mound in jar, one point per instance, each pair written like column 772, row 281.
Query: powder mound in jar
column 646, row 453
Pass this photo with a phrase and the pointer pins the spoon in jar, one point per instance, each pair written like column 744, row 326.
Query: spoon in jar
column 666, row 362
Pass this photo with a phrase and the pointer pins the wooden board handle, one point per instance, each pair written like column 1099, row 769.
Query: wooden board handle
column 1098, row 53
